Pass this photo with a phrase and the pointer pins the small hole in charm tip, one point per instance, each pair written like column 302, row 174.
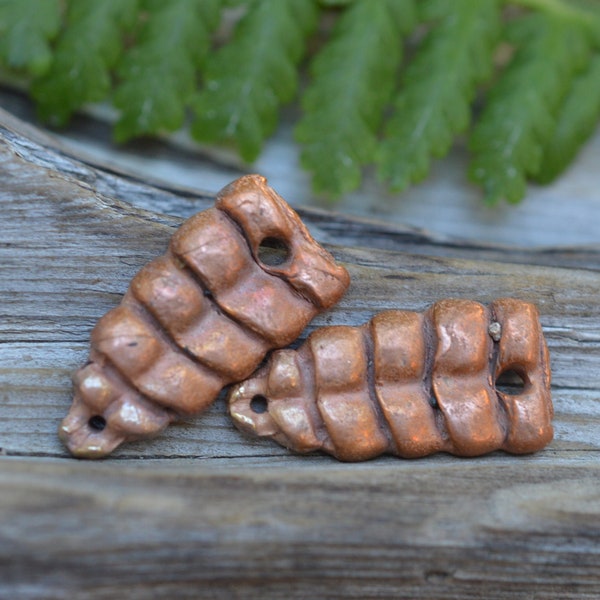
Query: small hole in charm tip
column 259, row 404
column 97, row 423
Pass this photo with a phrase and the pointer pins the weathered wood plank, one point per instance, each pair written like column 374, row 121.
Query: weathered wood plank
column 327, row 227
column 449, row 529
column 561, row 214
column 69, row 253
column 210, row 513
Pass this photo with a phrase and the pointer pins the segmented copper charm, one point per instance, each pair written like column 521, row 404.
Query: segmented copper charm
column 409, row 384
column 199, row 317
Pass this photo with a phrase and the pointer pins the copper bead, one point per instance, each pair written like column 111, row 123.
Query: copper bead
column 408, row 384
column 199, row 317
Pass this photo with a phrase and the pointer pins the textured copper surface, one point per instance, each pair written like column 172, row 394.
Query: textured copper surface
column 409, row 384
column 199, row 317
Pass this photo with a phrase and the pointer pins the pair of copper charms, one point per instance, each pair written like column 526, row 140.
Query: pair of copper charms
column 205, row 314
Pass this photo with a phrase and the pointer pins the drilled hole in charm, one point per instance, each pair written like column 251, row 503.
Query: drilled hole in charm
column 510, row 382
column 259, row 404
column 273, row 252
column 97, row 423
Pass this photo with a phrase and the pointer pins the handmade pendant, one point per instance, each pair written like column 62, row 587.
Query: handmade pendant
column 199, row 317
column 409, row 384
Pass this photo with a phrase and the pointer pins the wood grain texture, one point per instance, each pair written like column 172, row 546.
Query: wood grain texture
column 203, row 512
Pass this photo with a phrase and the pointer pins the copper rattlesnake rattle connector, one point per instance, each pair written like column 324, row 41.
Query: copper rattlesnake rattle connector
column 408, row 384
column 199, row 317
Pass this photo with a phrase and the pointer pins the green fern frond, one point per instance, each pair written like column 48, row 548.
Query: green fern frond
column 583, row 13
column 336, row 3
column 85, row 53
column 521, row 107
column 538, row 83
column 26, row 28
column 247, row 80
column 158, row 74
column 437, row 87
column 353, row 77
column 576, row 121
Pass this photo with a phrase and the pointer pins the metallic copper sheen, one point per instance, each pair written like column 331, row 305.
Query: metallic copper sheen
column 199, row 317
column 408, row 384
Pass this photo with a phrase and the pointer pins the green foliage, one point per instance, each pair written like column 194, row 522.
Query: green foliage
column 158, row 74
column 247, row 80
column 433, row 104
column 353, row 77
column 85, row 52
column 335, row 3
column 387, row 83
column 576, row 120
column 520, row 112
column 26, row 28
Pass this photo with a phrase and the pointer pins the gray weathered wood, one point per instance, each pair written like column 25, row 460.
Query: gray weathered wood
column 202, row 511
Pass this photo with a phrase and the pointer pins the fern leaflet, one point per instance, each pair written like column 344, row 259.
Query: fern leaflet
column 353, row 77
column 336, row 3
column 158, row 74
column 85, row 52
column 26, row 28
column 576, row 121
column 247, row 80
column 519, row 115
column 438, row 86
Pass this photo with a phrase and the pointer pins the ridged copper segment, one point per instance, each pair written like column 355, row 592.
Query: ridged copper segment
column 199, row 317
column 399, row 369
column 530, row 413
column 340, row 366
column 409, row 384
column 265, row 216
column 460, row 377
